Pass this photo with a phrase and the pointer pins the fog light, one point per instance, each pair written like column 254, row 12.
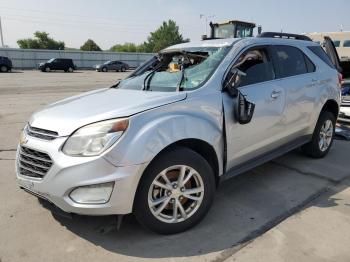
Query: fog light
column 93, row 194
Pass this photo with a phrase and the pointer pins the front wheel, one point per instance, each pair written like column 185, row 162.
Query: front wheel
column 322, row 138
column 175, row 192
column 104, row 69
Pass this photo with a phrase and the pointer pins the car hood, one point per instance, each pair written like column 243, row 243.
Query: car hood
column 67, row 115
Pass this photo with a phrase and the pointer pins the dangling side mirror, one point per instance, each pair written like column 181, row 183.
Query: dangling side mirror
column 244, row 109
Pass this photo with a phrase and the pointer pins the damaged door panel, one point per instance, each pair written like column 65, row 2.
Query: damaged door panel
column 254, row 105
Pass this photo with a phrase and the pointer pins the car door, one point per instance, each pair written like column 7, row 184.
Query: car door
column 264, row 132
column 112, row 65
column 296, row 75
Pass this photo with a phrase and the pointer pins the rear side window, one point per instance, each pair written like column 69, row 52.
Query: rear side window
column 346, row 43
column 309, row 65
column 318, row 50
column 290, row 61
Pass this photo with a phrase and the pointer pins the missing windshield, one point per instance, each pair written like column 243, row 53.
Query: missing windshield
column 176, row 70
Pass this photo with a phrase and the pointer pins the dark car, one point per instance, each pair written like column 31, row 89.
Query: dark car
column 5, row 64
column 64, row 64
column 112, row 65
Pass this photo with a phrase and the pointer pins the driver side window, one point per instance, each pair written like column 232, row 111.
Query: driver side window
column 257, row 67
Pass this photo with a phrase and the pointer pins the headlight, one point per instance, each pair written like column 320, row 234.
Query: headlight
column 92, row 140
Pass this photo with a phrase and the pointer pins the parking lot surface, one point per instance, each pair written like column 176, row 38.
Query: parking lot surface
column 291, row 209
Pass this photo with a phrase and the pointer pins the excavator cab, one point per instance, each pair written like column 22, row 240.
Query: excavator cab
column 232, row 29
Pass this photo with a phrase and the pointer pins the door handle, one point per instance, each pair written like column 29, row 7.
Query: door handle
column 275, row 93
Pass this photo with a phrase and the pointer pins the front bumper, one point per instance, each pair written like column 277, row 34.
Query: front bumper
column 68, row 173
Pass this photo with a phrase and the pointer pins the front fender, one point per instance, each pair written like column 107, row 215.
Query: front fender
column 151, row 132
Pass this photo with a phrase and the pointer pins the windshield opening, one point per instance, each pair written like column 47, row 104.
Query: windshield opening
column 177, row 70
column 107, row 62
column 51, row 60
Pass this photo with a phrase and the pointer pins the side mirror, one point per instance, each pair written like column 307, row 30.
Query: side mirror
column 244, row 109
column 233, row 80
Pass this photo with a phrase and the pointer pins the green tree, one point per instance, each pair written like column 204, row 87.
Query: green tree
column 167, row 34
column 90, row 45
column 127, row 47
column 41, row 40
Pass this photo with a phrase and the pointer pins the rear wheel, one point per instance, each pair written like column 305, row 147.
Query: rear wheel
column 322, row 138
column 4, row 68
column 123, row 69
column 175, row 192
column 70, row 69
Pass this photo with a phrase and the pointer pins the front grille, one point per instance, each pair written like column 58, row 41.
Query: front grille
column 33, row 163
column 41, row 133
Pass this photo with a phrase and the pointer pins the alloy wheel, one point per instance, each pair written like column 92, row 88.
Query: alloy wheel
column 326, row 134
column 176, row 194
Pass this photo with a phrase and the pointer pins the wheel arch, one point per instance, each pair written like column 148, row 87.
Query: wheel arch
column 332, row 107
column 199, row 146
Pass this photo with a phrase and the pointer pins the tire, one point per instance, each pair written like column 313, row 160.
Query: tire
column 123, row 69
column 4, row 69
column 324, row 131
column 194, row 206
column 47, row 69
column 104, row 69
column 70, row 69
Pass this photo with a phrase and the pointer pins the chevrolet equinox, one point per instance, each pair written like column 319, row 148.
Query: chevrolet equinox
column 158, row 143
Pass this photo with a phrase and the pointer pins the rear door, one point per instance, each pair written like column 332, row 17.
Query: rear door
column 296, row 76
column 265, row 131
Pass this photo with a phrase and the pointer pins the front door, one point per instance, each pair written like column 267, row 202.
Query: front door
column 265, row 130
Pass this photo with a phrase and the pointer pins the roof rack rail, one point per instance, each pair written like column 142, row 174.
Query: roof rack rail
column 285, row 35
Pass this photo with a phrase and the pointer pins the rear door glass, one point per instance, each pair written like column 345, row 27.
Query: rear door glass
column 290, row 61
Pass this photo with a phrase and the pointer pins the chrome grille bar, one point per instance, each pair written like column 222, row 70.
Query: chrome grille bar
column 41, row 133
column 33, row 163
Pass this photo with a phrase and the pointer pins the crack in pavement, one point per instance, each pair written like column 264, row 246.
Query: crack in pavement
column 269, row 225
column 8, row 150
column 307, row 173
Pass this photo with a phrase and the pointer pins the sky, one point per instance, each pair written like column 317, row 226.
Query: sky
column 109, row 22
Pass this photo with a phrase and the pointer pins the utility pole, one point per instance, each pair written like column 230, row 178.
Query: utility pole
column 206, row 21
column 1, row 36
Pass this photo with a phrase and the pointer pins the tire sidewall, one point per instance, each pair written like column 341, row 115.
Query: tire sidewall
column 179, row 156
column 316, row 136
column 4, row 69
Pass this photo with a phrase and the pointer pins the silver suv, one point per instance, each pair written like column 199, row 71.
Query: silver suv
column 158, row 143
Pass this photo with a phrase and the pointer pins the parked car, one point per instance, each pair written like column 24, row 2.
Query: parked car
column 5, row 64
column 112, row 65
column 64, row 64
column 344, row 114
column 159, row 142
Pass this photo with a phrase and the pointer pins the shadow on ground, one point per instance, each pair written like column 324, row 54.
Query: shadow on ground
column 245, row 207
